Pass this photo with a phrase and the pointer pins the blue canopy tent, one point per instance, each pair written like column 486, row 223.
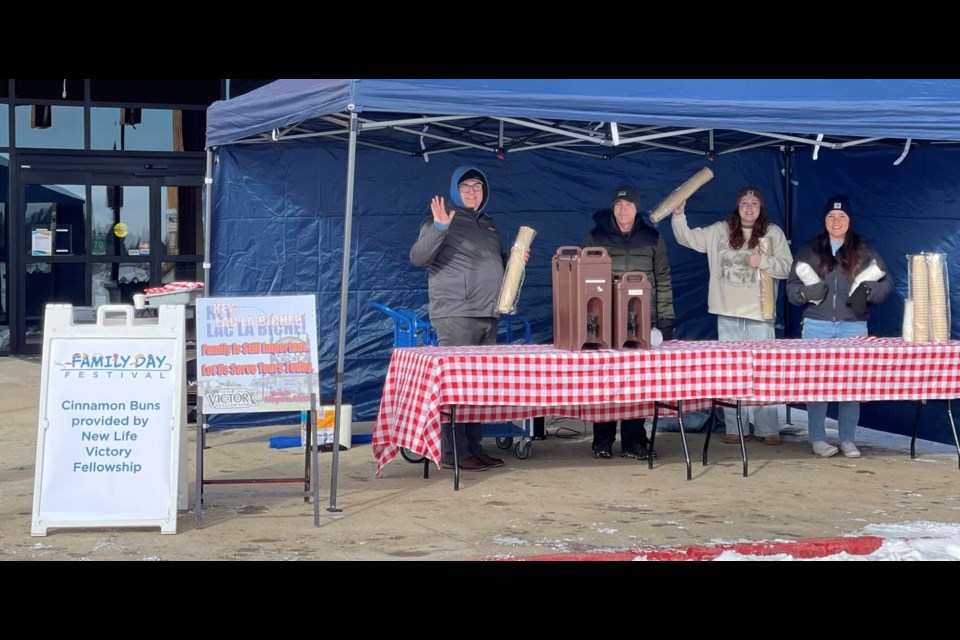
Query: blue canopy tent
column 553, row 146
column 920, row 109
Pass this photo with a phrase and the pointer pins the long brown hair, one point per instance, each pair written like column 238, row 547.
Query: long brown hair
column 850, row 256
column 735, row 229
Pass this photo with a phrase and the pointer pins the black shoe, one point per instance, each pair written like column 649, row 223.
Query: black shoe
column 637, row 452
column 467, row 464
column 490, row 461
column 603, row 449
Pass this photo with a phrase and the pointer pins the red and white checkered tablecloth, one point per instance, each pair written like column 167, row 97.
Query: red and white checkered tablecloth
column 511, row 382
column 172, row 287
column 863, row 369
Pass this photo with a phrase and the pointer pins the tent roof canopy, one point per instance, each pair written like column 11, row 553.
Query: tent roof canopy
column 602, row 118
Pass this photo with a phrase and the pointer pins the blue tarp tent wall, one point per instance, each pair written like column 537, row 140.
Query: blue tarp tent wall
column 306, row 167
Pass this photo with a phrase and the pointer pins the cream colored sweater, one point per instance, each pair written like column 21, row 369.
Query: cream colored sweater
column 734, row 285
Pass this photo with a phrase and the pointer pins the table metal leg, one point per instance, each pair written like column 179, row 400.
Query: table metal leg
column 953, row 427
column 710, row 425
column 683, row 438
column 678, row 407
column 916, row 429
column 743, row 447
column 653, row 433
column 456, row 455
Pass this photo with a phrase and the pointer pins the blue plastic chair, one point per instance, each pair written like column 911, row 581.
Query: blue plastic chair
column 508, row 321
column 409, row 330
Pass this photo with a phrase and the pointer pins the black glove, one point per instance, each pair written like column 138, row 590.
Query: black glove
column 816, row 291
column 667, row 331
column 858, row 300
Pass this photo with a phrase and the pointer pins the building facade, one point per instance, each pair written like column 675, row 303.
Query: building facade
column 101, row 188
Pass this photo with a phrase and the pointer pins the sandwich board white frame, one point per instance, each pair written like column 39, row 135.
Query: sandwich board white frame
column 111, row 448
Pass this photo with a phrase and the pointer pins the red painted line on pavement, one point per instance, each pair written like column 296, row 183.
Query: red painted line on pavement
column 804, row 549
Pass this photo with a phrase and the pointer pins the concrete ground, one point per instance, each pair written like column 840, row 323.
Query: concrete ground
column 560, row 500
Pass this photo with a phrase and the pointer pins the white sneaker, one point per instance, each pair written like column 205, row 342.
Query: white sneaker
column 825, row 449
column 849, row 449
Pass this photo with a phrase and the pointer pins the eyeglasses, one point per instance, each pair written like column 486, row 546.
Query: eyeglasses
column 467, row 188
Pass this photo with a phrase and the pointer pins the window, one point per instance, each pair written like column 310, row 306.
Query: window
column 157, row 130
column 182, row 228
column 65, row 130
column 4, row 128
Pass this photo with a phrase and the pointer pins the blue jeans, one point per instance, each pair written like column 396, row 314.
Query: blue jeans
column 766, row 422
column 848, row 413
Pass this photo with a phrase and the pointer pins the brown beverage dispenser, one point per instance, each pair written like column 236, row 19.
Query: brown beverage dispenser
column 562, row 264
column 631, row 311
column 582, row 298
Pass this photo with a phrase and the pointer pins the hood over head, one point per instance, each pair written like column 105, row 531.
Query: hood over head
column 463, row 173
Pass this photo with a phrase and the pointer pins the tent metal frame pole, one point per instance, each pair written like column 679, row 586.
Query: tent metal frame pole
column 339, row 138
column 788, row 223
column 344, row 291
column 545, row 145
column 207, row 222
column 434, row 136
column 744, row 147
column 816, row 143
column 657, row 136
column 373, row 125
column 569, row 134
column 625, row 129
column 651, row 146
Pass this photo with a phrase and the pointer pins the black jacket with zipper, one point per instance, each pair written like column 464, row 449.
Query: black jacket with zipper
column 835, row 307
column 642, row 250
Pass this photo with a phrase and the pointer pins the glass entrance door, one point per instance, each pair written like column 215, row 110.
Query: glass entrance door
column 87, row 241
column 121, row 242
column 90, row 238
column 4, row 290
column 53, row 220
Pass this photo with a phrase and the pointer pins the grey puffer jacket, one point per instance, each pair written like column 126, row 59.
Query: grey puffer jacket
column 465, row 263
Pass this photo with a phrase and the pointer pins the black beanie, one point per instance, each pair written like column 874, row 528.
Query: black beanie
column 838, row 202
column 470, row 174
column 628, row 193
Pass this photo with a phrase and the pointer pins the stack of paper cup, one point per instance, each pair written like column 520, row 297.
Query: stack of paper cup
column 513, row 275
column 871, row 273
column 767, row 288
column 908, row 320
column 808, row 277
column 920, row 294
column 656, row 337
column 939, row 329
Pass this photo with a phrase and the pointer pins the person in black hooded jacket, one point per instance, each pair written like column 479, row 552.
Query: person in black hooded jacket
column 837, row 256
column 633, row 246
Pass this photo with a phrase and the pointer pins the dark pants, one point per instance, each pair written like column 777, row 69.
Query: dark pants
column 632, row 433
column 463, row 332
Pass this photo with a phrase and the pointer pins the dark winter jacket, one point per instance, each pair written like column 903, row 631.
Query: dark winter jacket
column 835, row 307
column 640, row 250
